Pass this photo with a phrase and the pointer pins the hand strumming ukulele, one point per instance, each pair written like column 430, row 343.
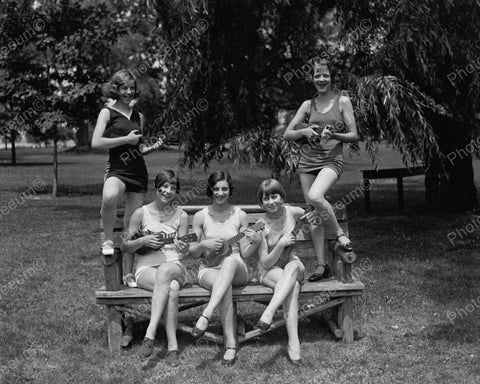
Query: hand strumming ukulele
column 214, row 258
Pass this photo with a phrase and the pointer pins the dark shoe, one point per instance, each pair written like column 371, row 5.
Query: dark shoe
column 347, row 247
column 320, row 276
column 230, row 362
column 172, row 358
column 297, row 362
column 126, row 340
column 197, row 332
column 263, row 326
column 146, row 347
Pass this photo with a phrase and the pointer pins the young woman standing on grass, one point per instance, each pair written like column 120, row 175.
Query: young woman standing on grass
column 278, row 266
column 119, row 129
column 213, row 225
column 321, row 160
column 160, row 270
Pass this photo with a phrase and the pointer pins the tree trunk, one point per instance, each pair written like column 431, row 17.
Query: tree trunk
column 13, row 136
column 83, row 137
column 55, row 163
column 452, row 187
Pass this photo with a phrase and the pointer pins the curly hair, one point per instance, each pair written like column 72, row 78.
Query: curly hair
column 118, row 79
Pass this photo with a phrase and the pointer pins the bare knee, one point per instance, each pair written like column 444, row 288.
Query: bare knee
column 162, row 275
column 229, row 265
column 174, row 289
column 109, row 200
column 317, row 199
column 292, row 269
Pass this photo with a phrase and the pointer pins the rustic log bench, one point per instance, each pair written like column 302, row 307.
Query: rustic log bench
column 334, row 293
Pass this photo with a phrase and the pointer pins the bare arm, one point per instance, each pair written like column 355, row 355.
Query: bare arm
column 201, row 246
column 100, row 142
column 134, row 226
column 248, row 244
column 182, row 247
column 183, row 228
column 346, row 109
column 302, row 113
column 144, row 148
column 267, row 259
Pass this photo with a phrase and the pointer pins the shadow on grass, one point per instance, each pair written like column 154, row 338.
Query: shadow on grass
column 462, row 331
column 33, row 164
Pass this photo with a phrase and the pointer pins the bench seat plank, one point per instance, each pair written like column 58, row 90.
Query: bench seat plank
column 332, row 287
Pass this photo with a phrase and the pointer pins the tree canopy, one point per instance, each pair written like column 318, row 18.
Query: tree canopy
column 400, row 62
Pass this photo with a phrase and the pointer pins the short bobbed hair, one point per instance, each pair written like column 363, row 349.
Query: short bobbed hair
column 217, row 176
column 167, row 176
column 118, row 79
column 269, row 187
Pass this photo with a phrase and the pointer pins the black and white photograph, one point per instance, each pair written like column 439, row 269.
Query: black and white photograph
column 239, row 191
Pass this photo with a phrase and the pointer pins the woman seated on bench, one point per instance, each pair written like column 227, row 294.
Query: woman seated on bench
column 278, row 266
column 161, row 269
column 213, row 225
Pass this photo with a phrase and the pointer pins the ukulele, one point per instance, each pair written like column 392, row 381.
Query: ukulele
column 316, row 128
column 214, row 258
column 300, row 222
column 188, row 238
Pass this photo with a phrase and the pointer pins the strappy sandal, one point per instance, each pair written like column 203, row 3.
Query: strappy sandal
column 229, row 362
column 320, row 276
column 197, row 332
column 348, row 247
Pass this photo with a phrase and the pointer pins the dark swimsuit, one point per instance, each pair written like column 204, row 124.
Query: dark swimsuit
column 126, row 161
column 324, row 154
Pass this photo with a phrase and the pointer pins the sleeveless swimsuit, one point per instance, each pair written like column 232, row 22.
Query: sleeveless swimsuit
column 213, row 229
column 126, row 161
column 168, row 252
column 273, row 236
column 319, row 154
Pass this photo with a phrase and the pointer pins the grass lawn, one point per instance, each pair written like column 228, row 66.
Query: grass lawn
column 418, row 321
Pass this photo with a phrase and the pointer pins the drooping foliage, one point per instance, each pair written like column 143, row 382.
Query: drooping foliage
column 398, row 61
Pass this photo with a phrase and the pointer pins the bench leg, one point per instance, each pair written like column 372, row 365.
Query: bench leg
column 366, row 193
column 400, row 193
column 114, row 331
column 345, row 319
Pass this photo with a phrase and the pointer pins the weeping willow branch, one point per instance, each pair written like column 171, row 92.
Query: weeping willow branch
column 385, row 110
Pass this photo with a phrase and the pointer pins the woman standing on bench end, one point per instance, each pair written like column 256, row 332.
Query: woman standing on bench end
column 330, row 124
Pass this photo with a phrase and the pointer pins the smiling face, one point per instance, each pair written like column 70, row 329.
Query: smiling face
column 126, row 92
column 220, row 192
column 167, row 191
column 322, row 79
column 272, row 202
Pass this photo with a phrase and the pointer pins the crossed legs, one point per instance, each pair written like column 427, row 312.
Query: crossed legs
column 286, row 285
column 220, row 281
column 163, row 281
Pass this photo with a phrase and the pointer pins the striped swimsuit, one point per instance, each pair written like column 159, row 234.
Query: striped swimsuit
column 319, row 154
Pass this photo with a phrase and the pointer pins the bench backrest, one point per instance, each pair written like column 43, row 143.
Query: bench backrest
column 113, row 266
column 253, row 213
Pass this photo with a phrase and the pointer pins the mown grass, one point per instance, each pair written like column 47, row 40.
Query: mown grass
column 53, row 332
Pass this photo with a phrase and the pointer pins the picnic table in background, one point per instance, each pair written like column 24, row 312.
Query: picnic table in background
column 390, row 173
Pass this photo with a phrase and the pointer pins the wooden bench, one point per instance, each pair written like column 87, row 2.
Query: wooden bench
column 335, row 293
column 388, row 173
